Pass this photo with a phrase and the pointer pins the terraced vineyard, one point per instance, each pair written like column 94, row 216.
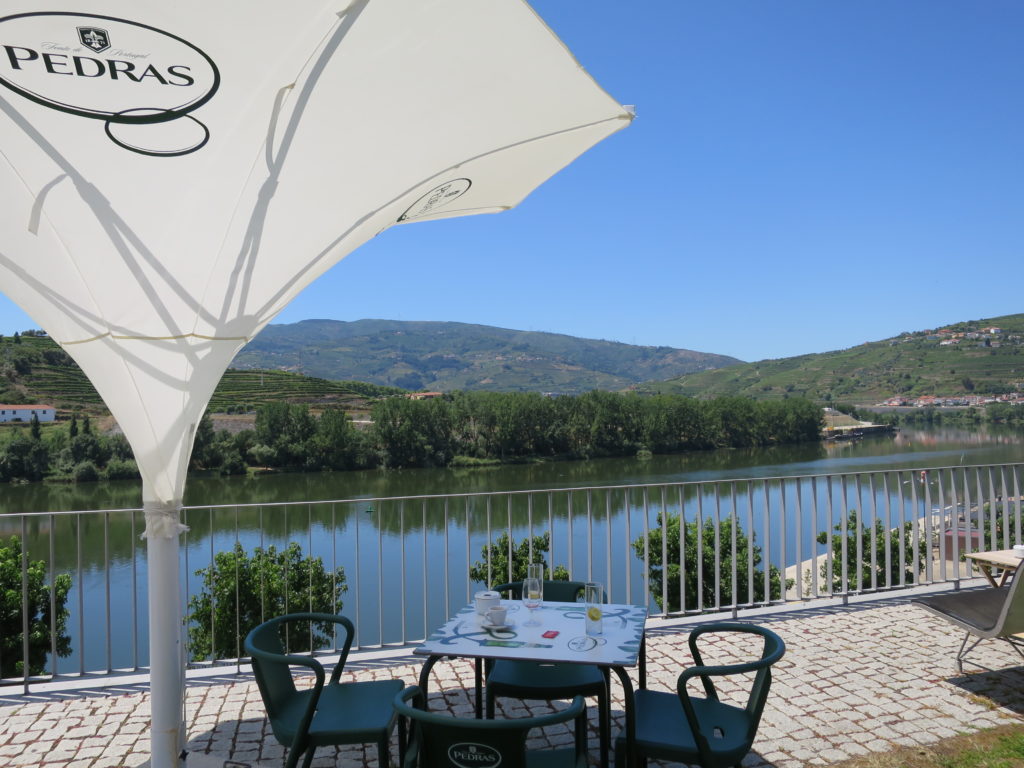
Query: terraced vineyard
column 37, row 370
column 253, row 388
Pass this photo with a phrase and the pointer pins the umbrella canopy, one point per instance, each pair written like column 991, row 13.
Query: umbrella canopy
column 175, row 173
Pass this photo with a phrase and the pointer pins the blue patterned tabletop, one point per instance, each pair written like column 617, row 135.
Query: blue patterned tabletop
column 469, row 634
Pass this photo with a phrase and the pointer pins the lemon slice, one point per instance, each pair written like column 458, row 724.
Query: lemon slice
column 594, row 613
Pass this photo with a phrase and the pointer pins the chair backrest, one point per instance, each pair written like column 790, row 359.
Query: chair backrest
column 272, row 671
column 272, row 664
column 772, row 650
column 442, row 741
column 556, row 591
column 1011, row 617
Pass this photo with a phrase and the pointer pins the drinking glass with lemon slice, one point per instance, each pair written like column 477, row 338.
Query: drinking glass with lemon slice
column 593, row 598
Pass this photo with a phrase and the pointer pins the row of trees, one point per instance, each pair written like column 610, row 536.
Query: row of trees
column 77, row 453
column 462, row 428
column 469, row 427
column 993, row 413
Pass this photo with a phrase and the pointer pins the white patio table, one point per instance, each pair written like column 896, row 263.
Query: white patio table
column 467, row 634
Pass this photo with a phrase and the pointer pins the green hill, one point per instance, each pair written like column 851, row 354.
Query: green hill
column 910, row 364
column 35, row 369
column 459, row 356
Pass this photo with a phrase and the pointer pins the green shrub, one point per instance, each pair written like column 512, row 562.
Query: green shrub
column 85, row 472
column 240, row 592
column 121, row 469
column 12, row 660
column 745, row 550
column 858, row 575
column 498, row 552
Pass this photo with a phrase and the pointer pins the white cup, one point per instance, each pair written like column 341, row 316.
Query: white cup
column 496, row 616
column 486, row 600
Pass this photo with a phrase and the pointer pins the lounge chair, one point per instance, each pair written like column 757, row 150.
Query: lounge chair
column 997, row 612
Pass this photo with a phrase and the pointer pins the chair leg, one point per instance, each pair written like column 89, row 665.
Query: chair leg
column 309, row 757
column 295, row 751
column 383, row 754
column 489, row 704
column 604, row 725
column 580, row 727
column 402, row 738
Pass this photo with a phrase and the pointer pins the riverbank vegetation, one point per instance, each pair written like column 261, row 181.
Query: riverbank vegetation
column 993, row 413
column 461, row 429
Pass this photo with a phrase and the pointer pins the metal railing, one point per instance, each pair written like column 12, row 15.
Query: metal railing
column 403, row 563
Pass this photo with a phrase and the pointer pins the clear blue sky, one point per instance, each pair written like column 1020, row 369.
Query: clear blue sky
column 802, row 176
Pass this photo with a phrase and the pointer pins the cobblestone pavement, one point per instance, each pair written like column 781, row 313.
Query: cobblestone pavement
column 855, row 679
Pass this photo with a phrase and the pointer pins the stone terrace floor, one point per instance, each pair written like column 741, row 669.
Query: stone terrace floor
column 856, row 679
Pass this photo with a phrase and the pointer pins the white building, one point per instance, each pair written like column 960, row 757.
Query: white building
column 24, row 412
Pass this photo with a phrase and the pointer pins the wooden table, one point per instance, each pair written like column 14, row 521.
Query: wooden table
column 1002, row 559
column 620, row 645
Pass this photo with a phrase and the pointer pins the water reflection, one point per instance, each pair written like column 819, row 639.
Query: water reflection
column 428, row 546
column 908, row 449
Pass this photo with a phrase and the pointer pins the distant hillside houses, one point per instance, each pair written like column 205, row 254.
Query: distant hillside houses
column 25, row 413
column 992, row 336
column 950, row 401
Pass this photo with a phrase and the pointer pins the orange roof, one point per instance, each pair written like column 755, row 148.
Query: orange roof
column 26, row 407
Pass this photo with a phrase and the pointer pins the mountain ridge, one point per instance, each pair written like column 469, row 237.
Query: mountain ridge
column 446, row 355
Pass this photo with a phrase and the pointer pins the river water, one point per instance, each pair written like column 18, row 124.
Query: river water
column 911, row 448
column 107, row 559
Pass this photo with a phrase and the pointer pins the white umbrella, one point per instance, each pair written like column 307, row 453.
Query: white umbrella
column 175, row 173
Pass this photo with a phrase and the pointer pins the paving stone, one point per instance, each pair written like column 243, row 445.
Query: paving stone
column 853, row 681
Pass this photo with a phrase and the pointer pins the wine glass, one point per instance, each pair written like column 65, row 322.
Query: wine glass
column 532, row 599
column 536, row 571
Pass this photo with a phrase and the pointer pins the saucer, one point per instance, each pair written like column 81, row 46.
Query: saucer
column 487, row 625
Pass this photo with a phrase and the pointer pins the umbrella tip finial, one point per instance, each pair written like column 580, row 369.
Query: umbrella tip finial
column 630, row 109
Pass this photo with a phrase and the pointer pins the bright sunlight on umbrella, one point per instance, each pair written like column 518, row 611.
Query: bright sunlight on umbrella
column 175, row 173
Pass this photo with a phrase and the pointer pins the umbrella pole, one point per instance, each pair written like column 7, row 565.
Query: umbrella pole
column 166, row 663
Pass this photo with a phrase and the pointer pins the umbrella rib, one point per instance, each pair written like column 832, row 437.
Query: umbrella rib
column 289, row 284
column 114, row 225
column 245, row 260
column 39, row 214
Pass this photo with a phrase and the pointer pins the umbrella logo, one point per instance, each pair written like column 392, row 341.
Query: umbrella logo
column 145, row 89
column 95, row 38
column 438, row 197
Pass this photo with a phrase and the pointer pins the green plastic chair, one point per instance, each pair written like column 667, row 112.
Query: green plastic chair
column 326, row 714
column 537, row 680
column 701, row 731
column 442, row 741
